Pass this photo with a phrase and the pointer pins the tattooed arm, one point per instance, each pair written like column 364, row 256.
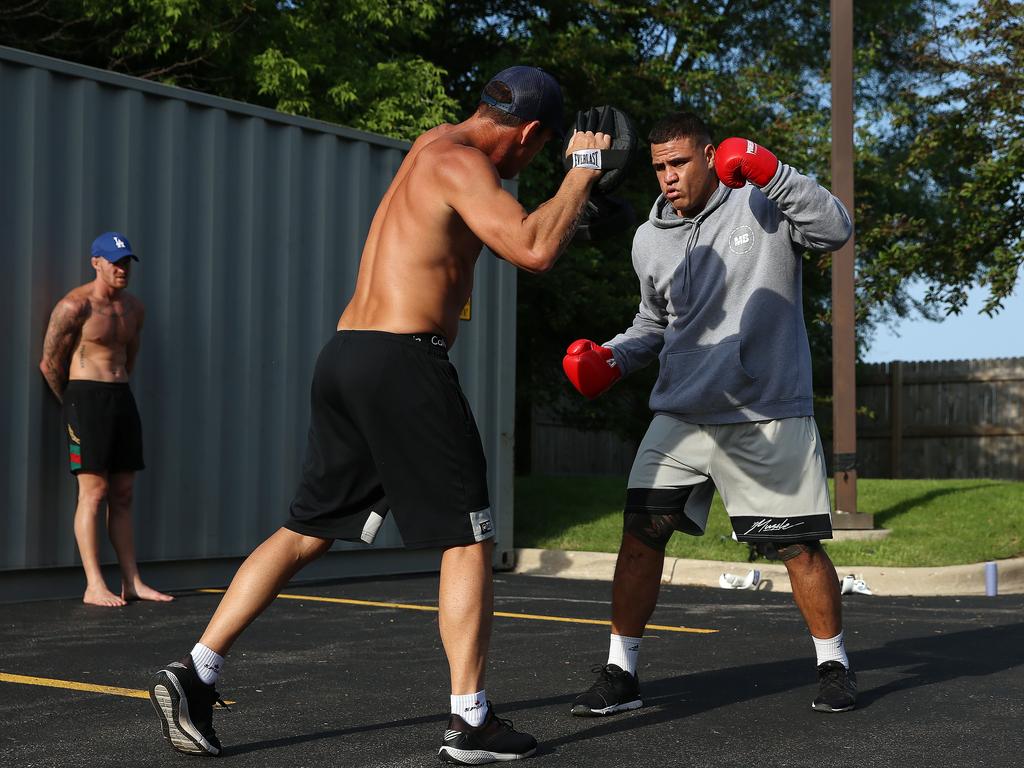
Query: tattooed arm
column 61, row 334
column 133, row 344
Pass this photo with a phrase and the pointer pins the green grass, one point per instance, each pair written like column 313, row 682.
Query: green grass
column 933, row 522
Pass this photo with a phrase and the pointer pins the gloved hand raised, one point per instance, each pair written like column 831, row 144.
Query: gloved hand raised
column 738, row 161
column 612, row 162
column 591, row 368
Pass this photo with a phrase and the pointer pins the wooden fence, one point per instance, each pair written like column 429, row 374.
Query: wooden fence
column 943, row 419
column 950, row 418
column 556, row 449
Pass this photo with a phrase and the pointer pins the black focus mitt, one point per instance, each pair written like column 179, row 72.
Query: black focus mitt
column 603, row 217
column 612, row 161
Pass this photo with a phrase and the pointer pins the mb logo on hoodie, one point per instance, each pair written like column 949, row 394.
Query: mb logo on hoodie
column 741, row 240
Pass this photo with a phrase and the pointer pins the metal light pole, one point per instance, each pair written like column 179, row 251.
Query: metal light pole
column 844, row 383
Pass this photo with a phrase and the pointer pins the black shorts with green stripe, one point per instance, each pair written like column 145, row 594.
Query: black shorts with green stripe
column 102, row 427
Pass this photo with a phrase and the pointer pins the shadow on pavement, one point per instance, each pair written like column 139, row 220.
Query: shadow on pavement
column 926, row 661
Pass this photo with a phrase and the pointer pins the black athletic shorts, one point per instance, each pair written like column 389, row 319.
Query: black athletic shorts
column 390, row 429
column 102, row 427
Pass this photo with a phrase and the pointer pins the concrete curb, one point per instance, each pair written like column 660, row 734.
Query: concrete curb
column 944, row 580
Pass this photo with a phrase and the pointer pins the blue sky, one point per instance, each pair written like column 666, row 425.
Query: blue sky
column 967, row 336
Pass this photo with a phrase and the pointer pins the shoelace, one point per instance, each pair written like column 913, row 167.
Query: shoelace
column 835, row 676
column 217, row 701
column 607, row 671
column 605, row 683
column 492, row 715
column 504, row 721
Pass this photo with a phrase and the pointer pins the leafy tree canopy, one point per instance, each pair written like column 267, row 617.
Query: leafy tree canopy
column 938, row 91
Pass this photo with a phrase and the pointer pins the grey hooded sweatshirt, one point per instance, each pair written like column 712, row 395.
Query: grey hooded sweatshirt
column 720, row 300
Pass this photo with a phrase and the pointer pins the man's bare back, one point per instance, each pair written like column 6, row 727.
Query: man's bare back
column 417, row 265
column 445, row 203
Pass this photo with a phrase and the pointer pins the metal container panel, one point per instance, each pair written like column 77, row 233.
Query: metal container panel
column 249, row 225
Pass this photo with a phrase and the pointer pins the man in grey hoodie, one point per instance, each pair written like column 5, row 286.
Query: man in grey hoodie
column 719, row 263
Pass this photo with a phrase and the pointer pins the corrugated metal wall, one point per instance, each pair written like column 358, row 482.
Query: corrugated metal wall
column 249, row 225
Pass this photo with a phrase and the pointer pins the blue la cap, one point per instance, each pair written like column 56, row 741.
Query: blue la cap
column 112, row 246
column 536, row 95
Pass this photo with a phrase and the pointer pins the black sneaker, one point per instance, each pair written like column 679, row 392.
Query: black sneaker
column 616, row 690
column 185, row 706
column 491, row 742
column 837, row 688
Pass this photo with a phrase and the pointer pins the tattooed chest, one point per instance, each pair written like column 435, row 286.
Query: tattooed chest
column 112, row 330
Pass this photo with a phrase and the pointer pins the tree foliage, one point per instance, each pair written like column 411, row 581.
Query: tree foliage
column 953, row 213
column 938, row 90
column 354, row 62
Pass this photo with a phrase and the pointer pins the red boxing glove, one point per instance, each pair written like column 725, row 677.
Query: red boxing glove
column 740, row 160
column 590, row 368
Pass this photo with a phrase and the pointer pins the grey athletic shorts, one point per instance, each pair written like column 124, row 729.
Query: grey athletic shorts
column 771, row 476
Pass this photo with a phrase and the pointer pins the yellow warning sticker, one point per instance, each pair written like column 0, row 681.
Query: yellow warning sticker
column 466, row 310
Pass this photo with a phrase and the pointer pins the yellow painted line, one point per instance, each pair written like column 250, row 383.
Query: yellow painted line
column 49, row 682
column 433, row 609
column 110, row 690
column 695, row 630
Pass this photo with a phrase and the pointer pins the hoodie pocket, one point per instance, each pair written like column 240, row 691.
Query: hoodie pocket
column 704, row 380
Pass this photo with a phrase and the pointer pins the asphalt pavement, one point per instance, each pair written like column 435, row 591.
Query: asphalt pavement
column 330, row 677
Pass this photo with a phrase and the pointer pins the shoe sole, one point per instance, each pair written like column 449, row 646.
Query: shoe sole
column 831, row 710
column 582, row 710
column 479, row 756
column 172, row 707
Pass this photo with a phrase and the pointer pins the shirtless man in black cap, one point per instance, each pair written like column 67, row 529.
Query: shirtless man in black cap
column 391, row 430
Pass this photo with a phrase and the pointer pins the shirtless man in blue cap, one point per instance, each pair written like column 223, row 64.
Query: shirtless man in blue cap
column 88, row 354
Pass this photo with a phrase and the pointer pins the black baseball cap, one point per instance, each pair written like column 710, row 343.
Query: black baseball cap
column 536, row 95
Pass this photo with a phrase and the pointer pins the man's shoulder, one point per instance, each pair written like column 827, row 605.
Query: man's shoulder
column 75, row 301
column 454, row 149
column 131, row 298
column 739, row 198
column 749, row 204
column 445, row 155
column 645, row 233
column 460, row 171
column 132, row 305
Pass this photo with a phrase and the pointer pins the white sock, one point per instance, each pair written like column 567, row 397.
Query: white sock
column 471, row 707
column 624, row 652
column 831, row 649
column 208, row 663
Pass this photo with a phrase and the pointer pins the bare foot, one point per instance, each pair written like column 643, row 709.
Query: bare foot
column 102, row 596
column 141, row 592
